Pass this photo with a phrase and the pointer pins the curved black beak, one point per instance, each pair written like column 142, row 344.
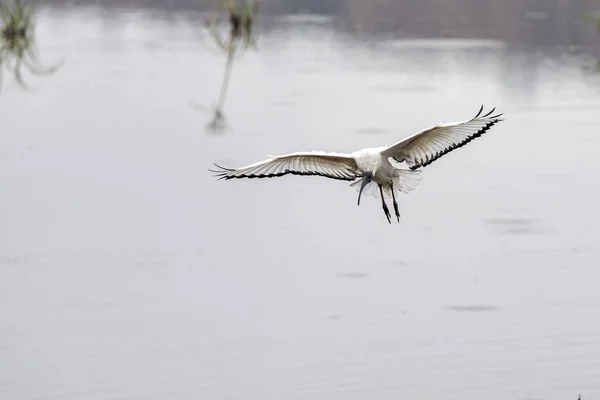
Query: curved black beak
column 367, row 177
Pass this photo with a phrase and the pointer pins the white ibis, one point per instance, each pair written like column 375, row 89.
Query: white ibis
column 372, row 165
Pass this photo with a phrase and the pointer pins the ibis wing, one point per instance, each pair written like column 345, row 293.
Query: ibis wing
column 330, row 165
column 426, row 146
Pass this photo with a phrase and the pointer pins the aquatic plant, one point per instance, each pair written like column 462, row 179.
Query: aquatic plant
column 594, row 17
column 17, row 42
column 241, row 15
column 218, row 123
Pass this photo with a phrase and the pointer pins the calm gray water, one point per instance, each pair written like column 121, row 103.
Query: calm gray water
column 128, row 272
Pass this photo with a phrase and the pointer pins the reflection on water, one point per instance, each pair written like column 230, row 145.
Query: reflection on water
column 472, row 308
column 515, row 225
column 541, row 23
column 127, row 271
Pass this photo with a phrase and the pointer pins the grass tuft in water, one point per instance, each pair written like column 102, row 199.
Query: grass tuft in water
column 17, row 42
column 594, row 17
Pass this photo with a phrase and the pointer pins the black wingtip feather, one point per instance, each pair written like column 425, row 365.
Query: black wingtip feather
column 222, row 174
column 479, row 113
column 488, row 114
column 223, row 168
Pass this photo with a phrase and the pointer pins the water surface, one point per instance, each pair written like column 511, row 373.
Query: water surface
column 128, row 272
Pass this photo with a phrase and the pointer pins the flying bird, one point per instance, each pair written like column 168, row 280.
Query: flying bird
column 372, row 166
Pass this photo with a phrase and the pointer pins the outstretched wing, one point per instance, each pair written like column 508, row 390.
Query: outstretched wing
column 330, row 165
column 426, row 146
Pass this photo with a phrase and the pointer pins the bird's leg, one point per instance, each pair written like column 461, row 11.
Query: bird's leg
column 385, row 207
column 395, row 204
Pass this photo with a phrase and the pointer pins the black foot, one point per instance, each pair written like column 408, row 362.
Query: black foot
column 387, row 213
column 397, row 212
column 385, row 207
column 395, row 204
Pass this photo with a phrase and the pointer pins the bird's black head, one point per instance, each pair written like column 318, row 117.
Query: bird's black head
column 366, row 179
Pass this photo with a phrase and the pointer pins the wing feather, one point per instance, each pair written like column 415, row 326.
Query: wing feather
column 428, row 145
column 331, row 165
